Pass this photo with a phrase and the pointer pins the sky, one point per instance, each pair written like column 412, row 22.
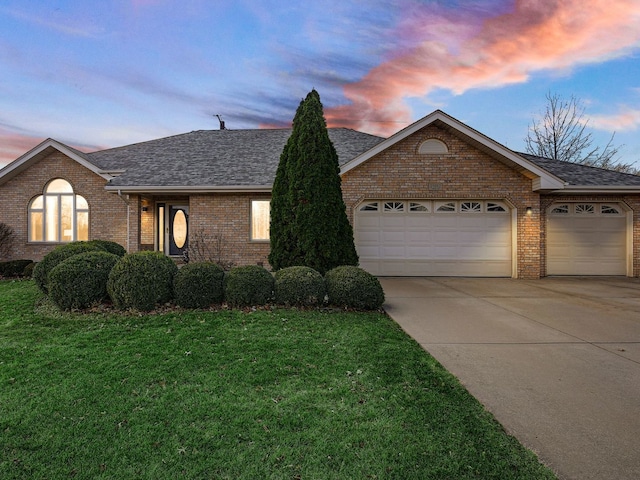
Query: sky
column 101, row 74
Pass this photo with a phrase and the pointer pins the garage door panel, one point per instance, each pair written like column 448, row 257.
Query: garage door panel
column 390, row 237
column 586, row 244
column 435, row 243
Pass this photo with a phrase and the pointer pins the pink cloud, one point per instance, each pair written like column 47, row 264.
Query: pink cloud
column 13, row 145
column 503, row 50
column 626, row 119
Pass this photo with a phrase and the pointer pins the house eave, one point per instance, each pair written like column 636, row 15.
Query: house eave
column 178, row 189
column 595, row 190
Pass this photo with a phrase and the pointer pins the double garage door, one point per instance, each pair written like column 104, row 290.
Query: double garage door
column 586, row 239
column 435, row 238
column 474, row 238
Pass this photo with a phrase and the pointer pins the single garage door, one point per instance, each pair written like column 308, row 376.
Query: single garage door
column 434, row 238
column 586, row 239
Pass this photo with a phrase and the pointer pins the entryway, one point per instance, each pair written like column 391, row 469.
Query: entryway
column 172, row 233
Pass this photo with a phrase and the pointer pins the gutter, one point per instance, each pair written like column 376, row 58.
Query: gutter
column 587, row 190
column 182, row 189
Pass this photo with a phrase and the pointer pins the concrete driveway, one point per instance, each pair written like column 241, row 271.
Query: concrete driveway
column 556, row 360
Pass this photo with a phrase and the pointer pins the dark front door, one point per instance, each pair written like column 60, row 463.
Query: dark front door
column 178, row 229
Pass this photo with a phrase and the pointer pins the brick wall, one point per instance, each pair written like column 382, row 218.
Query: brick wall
column 107, row 212
column 228, row 216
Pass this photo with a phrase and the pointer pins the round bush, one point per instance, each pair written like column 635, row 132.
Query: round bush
column 54, row 257
column 248, row 285
column 81, row 280
column 28, row 270
column 109, row 246
column 302, row 286
column 14, row 268
column 353, row 287
column 141, row 280
column 198, row 285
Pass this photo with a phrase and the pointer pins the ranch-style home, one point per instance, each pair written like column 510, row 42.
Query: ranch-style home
column 438, row 198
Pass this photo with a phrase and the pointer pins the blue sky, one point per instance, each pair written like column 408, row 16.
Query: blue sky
column 98, row 74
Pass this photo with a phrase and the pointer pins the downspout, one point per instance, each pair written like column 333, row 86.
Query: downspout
column 126, row 201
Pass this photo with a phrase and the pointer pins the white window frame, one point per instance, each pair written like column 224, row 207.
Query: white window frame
column 55, row 233
column 255, row 216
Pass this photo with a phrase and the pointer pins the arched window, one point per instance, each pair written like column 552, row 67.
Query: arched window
column 433, row 146
column 58, row 215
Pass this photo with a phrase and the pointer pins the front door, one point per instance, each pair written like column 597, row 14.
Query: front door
column 178, row 240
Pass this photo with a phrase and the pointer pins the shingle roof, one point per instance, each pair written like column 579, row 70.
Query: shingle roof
column 214, row 158
column 581, row 175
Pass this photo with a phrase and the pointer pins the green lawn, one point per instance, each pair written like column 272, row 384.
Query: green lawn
column 204, row 395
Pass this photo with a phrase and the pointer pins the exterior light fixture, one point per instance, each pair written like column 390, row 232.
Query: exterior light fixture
column 144, row 209
column 529, row 210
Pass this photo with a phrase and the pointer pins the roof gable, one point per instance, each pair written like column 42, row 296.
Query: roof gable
column 542, row 179
column 44, row 149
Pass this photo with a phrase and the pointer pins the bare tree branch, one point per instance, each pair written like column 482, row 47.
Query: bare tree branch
column 561, row 134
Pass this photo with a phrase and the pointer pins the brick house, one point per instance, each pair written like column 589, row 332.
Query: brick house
column 437, row 198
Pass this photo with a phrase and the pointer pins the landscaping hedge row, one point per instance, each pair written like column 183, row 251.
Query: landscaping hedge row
column 81, row 274
column 16, row 268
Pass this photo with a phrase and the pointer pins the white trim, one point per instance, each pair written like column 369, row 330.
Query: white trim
column 189, row 189
column 585, row 189
column 39, row 151
column 543, row 180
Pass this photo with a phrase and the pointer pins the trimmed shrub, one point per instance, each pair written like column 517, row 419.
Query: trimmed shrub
column 198, row 285
column 109, row 246
column 7, row 237
column 141, row 280
column 81, row 280
column 28, row 270
column 248, row 285
column 302, row 286
column 54, row 257
column 14, row 268
column 353, row 287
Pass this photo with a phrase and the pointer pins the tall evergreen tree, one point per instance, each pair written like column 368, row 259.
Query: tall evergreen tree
column 280, row 228
column 309, row 224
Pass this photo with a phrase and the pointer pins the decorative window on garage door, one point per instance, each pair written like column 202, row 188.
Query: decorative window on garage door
column 609, row 210
column 394, row 206
column 470, row 207
column 437, row 206
column 419, row 207
column 560, row 210
column 446, row 207
column 586, row 209
column 369, row 207
column 496, row 207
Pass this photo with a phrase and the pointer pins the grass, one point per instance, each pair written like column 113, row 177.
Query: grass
column 277, row 394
